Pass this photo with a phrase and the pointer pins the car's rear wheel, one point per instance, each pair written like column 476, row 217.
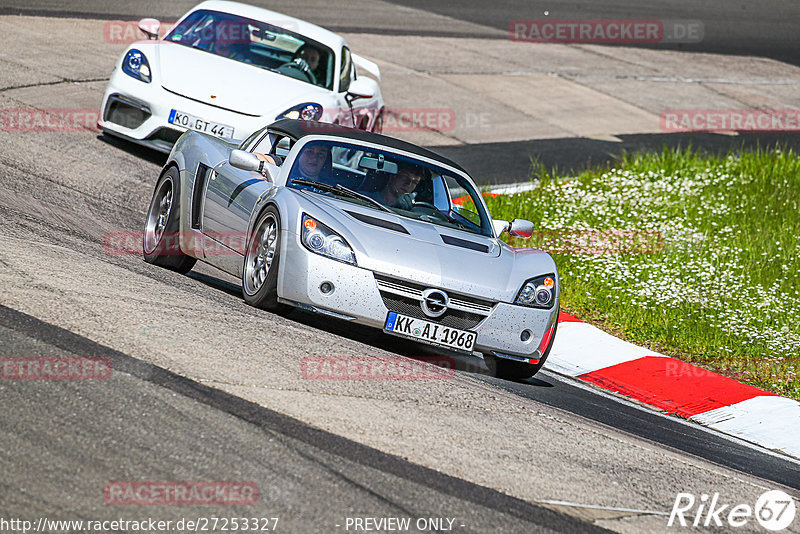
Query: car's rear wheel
column 260, row 273
column 160, row 242
column 514, row 370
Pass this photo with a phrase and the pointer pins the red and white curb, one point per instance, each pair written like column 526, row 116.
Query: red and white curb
column 587, row 353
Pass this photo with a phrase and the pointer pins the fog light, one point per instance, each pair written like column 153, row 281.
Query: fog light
column 326, row 287
column 525, row 335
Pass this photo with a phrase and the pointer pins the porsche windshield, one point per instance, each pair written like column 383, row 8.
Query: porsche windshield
column 387, row 181
column 257, row 43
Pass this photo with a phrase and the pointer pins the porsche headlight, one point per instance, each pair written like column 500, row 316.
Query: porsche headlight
column 538, row 292
column 306, row 112
column 135, row 65
column 321, row 240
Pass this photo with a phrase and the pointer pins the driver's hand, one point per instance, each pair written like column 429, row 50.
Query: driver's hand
column 303, row 64
column 406, row 202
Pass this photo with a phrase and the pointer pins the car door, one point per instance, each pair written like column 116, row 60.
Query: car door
column 344, row 113
column 231, row 195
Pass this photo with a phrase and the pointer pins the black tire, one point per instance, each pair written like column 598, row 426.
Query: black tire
column 378, row 126
column 160, row 242
column 513, row 370
column 261, row 261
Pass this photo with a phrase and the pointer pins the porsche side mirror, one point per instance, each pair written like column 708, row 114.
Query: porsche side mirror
column 521, row 228
column 247, row 161
column 361, row 88
column 150, row 27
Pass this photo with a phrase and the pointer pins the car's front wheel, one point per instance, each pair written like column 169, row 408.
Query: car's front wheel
column 509, row 369
column 260, row 273
column 514, row 370
column 160, row 242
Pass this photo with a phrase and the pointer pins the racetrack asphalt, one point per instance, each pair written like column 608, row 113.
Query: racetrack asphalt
column 145, row 423
column 766, row 28
column 536, row 443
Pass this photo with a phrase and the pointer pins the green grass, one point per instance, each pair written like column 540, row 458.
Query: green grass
column 714, row 279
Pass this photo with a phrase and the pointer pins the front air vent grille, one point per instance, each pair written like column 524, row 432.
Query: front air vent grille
column 197, row 194
column 126, row 112
column 458, row 242
column 375, row 221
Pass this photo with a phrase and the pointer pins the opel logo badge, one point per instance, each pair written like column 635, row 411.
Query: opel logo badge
column 434, row 302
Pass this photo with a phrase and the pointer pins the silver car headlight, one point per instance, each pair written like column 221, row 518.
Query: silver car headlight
column 321, row 240
column 135, row 65
column 538, row 292
column 305, row 112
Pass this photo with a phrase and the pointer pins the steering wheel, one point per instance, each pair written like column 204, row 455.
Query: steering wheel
column 295, row 66
column 426, row 205
column 432, row 213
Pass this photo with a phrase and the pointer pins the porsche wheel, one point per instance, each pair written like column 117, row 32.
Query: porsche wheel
column 162, row 225
column 260, row 273
column 378, row 126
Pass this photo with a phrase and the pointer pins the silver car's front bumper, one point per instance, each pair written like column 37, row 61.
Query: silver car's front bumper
column 357, row 297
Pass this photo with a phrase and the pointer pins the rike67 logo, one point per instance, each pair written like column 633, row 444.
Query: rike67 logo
column 774, row 511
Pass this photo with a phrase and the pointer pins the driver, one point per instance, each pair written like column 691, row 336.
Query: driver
column 399, row 192
column 308, row 58
column 311, row 164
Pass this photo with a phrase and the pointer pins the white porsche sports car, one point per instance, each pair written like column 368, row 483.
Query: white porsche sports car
column 226, row 69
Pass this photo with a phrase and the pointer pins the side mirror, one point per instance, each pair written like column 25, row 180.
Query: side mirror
column 150, row 27
column 521, row 228
column 361, row 88
column 367, row 65
column 247, row 161
column 500, row 226
column 516, row 228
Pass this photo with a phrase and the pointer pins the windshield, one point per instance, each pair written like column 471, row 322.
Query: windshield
column 257, row 43
column 383, row 180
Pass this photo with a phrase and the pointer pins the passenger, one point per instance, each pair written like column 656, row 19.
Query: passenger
column 232, row 40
